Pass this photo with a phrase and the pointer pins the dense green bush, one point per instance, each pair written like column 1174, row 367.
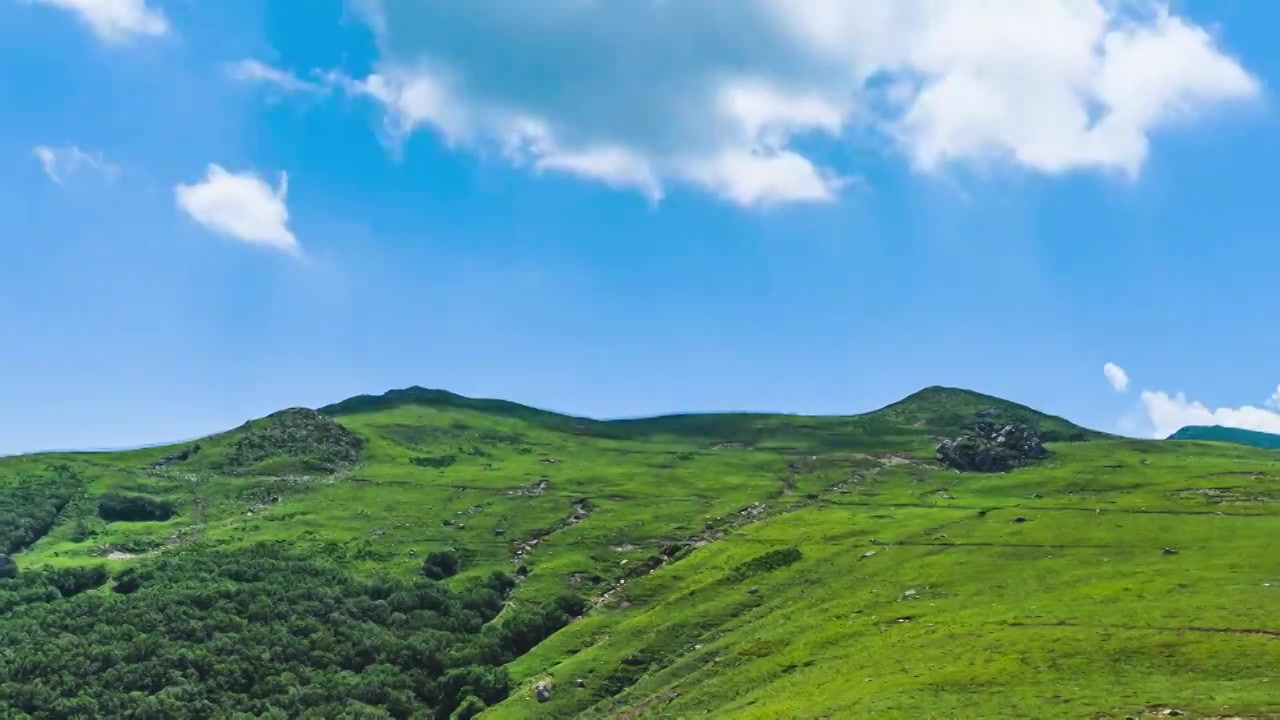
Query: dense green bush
column 48, row 585
column 258, row 633
column 133, row 508
column 29, row 506
column 441, row 462
column 441, row 564
column 772, row 560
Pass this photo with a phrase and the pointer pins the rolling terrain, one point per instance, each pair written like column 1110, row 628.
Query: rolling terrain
column 421, row 554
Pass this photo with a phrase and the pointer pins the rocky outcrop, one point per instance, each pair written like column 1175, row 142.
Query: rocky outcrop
column 181, row 456
column 297, row 439
column 992, row 445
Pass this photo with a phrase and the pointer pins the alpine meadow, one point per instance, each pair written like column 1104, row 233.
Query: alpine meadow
column 424, row 555
column 639, row 360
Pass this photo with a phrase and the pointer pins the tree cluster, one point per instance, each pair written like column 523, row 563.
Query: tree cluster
column 258, row 633
column 30, row 506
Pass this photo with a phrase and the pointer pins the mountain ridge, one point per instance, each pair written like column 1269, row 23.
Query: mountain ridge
column 1220, row 433
column 419, row 395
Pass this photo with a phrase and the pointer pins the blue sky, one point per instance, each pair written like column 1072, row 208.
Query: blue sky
column 216, row 210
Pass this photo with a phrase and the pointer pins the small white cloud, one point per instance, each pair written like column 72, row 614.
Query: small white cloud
column 240, row 205
column 115, row 21
column 413, row 97
column 1274, row 400
column 1170, row 413
column 256, row 71
column 63, row 163
column 616, row 167
column 1116, row 375
column 763, row 177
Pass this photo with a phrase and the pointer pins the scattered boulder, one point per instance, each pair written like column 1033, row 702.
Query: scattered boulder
column 1170, row 551
column 992, row 445
column 542, row 691
column 1019, row 519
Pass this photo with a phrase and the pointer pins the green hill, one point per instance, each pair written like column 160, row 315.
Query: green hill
column 1217, row 433
column 424, row 555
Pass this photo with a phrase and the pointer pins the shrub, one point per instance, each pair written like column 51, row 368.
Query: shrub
column 133, row 508
column 441, row 564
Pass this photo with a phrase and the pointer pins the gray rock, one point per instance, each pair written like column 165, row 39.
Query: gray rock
column 992, row 446
column 542, row 691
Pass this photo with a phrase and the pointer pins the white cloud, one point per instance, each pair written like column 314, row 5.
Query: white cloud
column 240, row 205
column 1274, row 400
column 746, row 98
column 256, row 71
column 115, row 21
column 753, row 177
column 614, row 166
column 413, row 97
column 61, row 164
column 1116, row 375
column 1170, row 413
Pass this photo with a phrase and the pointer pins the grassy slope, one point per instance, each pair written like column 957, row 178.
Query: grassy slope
column 1072, row 613
column 1077, row 612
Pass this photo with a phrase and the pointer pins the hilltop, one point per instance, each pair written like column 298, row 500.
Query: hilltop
column 423, row 554
column 1217, row 433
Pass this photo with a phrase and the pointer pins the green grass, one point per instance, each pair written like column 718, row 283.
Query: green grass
column 772, row 607
column 1073, row 613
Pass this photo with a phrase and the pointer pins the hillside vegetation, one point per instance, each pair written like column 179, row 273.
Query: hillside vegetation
column 1217, row 433
column 424, row 555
